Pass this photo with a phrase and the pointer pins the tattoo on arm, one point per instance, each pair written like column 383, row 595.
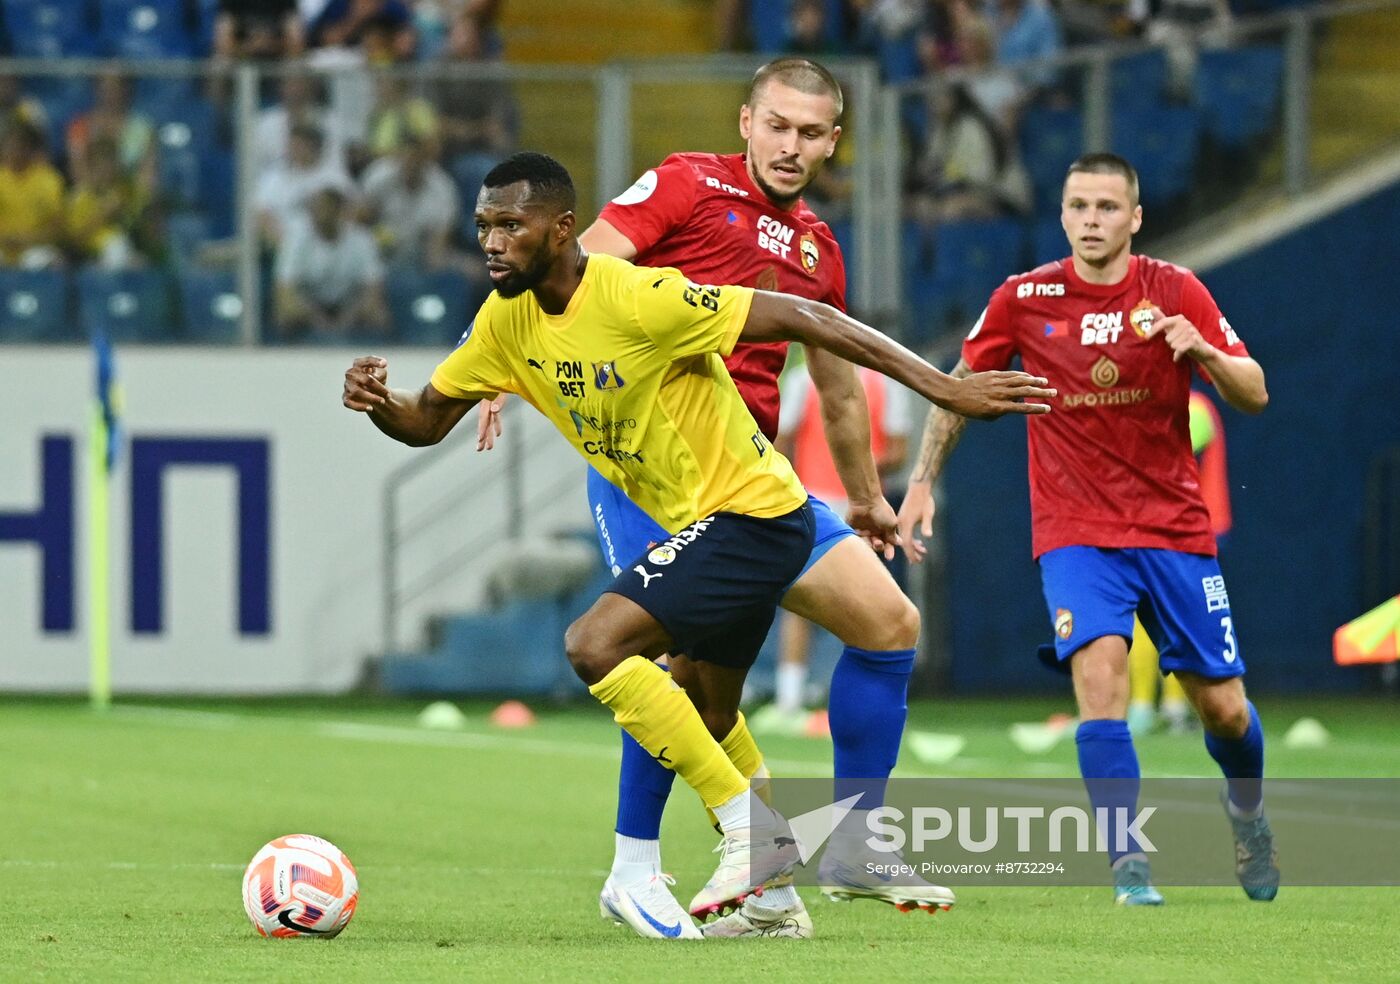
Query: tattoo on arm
column 941, row 432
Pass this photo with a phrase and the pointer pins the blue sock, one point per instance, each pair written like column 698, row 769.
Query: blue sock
column 1108, row 762
column 1242, row 761
column 643, row 785
column 867, row 709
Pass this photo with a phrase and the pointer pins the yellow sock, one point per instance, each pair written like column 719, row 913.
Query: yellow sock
column 743, row 752
column 1142, row 667
column 1172, row 691
column 649, row 706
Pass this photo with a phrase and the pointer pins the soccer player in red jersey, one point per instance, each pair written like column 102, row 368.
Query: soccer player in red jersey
column 1118, row 521
column 740, row 219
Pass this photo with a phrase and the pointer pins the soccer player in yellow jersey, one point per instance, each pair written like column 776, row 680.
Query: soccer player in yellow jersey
column 627, row 363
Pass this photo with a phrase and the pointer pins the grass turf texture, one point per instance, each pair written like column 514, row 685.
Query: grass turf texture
column 123, row 838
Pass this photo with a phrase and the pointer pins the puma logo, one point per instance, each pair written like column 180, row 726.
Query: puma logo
column 646, row 578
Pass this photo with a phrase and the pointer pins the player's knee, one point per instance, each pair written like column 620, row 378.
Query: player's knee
column 891, row 623
column 589, row 653
column 1226, row 716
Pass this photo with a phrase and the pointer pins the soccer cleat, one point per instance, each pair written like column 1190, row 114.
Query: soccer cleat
column 749, row 858
column 772, row 720
column 1132, row 885
column 1142, row 719
column 1256, row 860
column 648, row 906
column 753, row 918
column 846, row 877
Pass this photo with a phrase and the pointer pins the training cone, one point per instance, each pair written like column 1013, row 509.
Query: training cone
column 512, row 714
column 1306, row 733
column 817, row 725
column 932, row 748
column 441, row 715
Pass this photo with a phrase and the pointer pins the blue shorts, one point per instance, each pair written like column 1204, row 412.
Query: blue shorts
column 1093, row 592
column 625, row 532
column 715, row 585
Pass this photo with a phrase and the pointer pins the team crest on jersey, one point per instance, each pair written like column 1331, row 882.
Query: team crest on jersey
column 1142, row 318
column 1064, row 623
column 1104, row 373
column 605, row 376
column 811, row 256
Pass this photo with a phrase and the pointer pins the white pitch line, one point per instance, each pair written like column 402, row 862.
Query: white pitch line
column 447, row 869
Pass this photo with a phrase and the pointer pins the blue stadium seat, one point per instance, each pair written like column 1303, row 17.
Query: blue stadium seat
column 146, row 29
column 187, row 232
column 1138, row 80
column 49, row 28
column 971, row 259
column 1050, row 141
column 430, row 308
column 844, row 231
column 129, row 305
column 1048, row 242
column 899, row 58
column 194, row 165
column 1238, row 93
column 213, row 308
column 34, row 306
column 1163, row 143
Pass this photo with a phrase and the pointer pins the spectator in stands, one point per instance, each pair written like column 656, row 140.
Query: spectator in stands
column 938, row 33
column 113, row 118
column 1028, row 30
column 31, row 199
column 1183, row 27
column 282, row 192
column 411, row 204
column 807, row 30
column 478, row 117
column 300, row 105
column 399, row 114
column 15, row 105
column 345, row 24
column 971, row 169
column 996, row 90
column 330, row 282
column 264, row 29
column 103, row 211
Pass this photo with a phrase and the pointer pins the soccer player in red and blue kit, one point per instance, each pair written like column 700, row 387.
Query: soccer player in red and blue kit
column 740, row 219
column 1118, row 521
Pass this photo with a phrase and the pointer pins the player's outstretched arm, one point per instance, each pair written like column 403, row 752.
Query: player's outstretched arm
column 413, row 418
column 941, row 433
column 984, row 395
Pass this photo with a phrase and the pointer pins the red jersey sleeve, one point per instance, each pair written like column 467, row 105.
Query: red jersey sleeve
column 1198, row 307
column 659, row 201
column 991, row 343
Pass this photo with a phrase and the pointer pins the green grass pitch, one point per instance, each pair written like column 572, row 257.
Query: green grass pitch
column 123, row 838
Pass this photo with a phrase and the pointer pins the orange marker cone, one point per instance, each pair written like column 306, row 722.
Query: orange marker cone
column 512, row 714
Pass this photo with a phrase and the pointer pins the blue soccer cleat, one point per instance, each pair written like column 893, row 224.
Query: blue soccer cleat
column 1256, row 860
column 1132, row 885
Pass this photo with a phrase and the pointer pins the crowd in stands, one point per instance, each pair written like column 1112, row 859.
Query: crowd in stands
column 361, row 160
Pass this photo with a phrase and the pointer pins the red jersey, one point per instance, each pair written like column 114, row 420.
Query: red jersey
column 1111, row 466
column 702, row 214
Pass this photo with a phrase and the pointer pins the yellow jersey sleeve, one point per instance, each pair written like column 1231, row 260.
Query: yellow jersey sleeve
column 684, row 319
column 477, row 367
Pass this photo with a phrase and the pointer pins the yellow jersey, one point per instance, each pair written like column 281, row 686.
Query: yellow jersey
column 632, row 374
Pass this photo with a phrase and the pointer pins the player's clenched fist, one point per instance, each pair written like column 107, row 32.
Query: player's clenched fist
column 366, row 384
column 1182, row 337
column 987, row 395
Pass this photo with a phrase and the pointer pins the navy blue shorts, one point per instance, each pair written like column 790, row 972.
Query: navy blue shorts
column 625, row 531
column 1093, row 592
column 715, row 585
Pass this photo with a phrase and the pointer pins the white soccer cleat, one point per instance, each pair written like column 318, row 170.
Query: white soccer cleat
column 648, row 906
column 753, row 918
column 749, row 858
column 857, row 873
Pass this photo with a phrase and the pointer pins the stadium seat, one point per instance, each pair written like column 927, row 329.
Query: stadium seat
column 128, row 305
column 213, row 308
column 970, row 259
column 194, row 165
column 146, row 29
column 899, row 59
column 1238, row 93
column 187, row 232
column 49, row 28
column 1137, row 80
column 1050, row 141
column 1048, row 242
column 34, row 306
column 1163, row 143
column 430, row 308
